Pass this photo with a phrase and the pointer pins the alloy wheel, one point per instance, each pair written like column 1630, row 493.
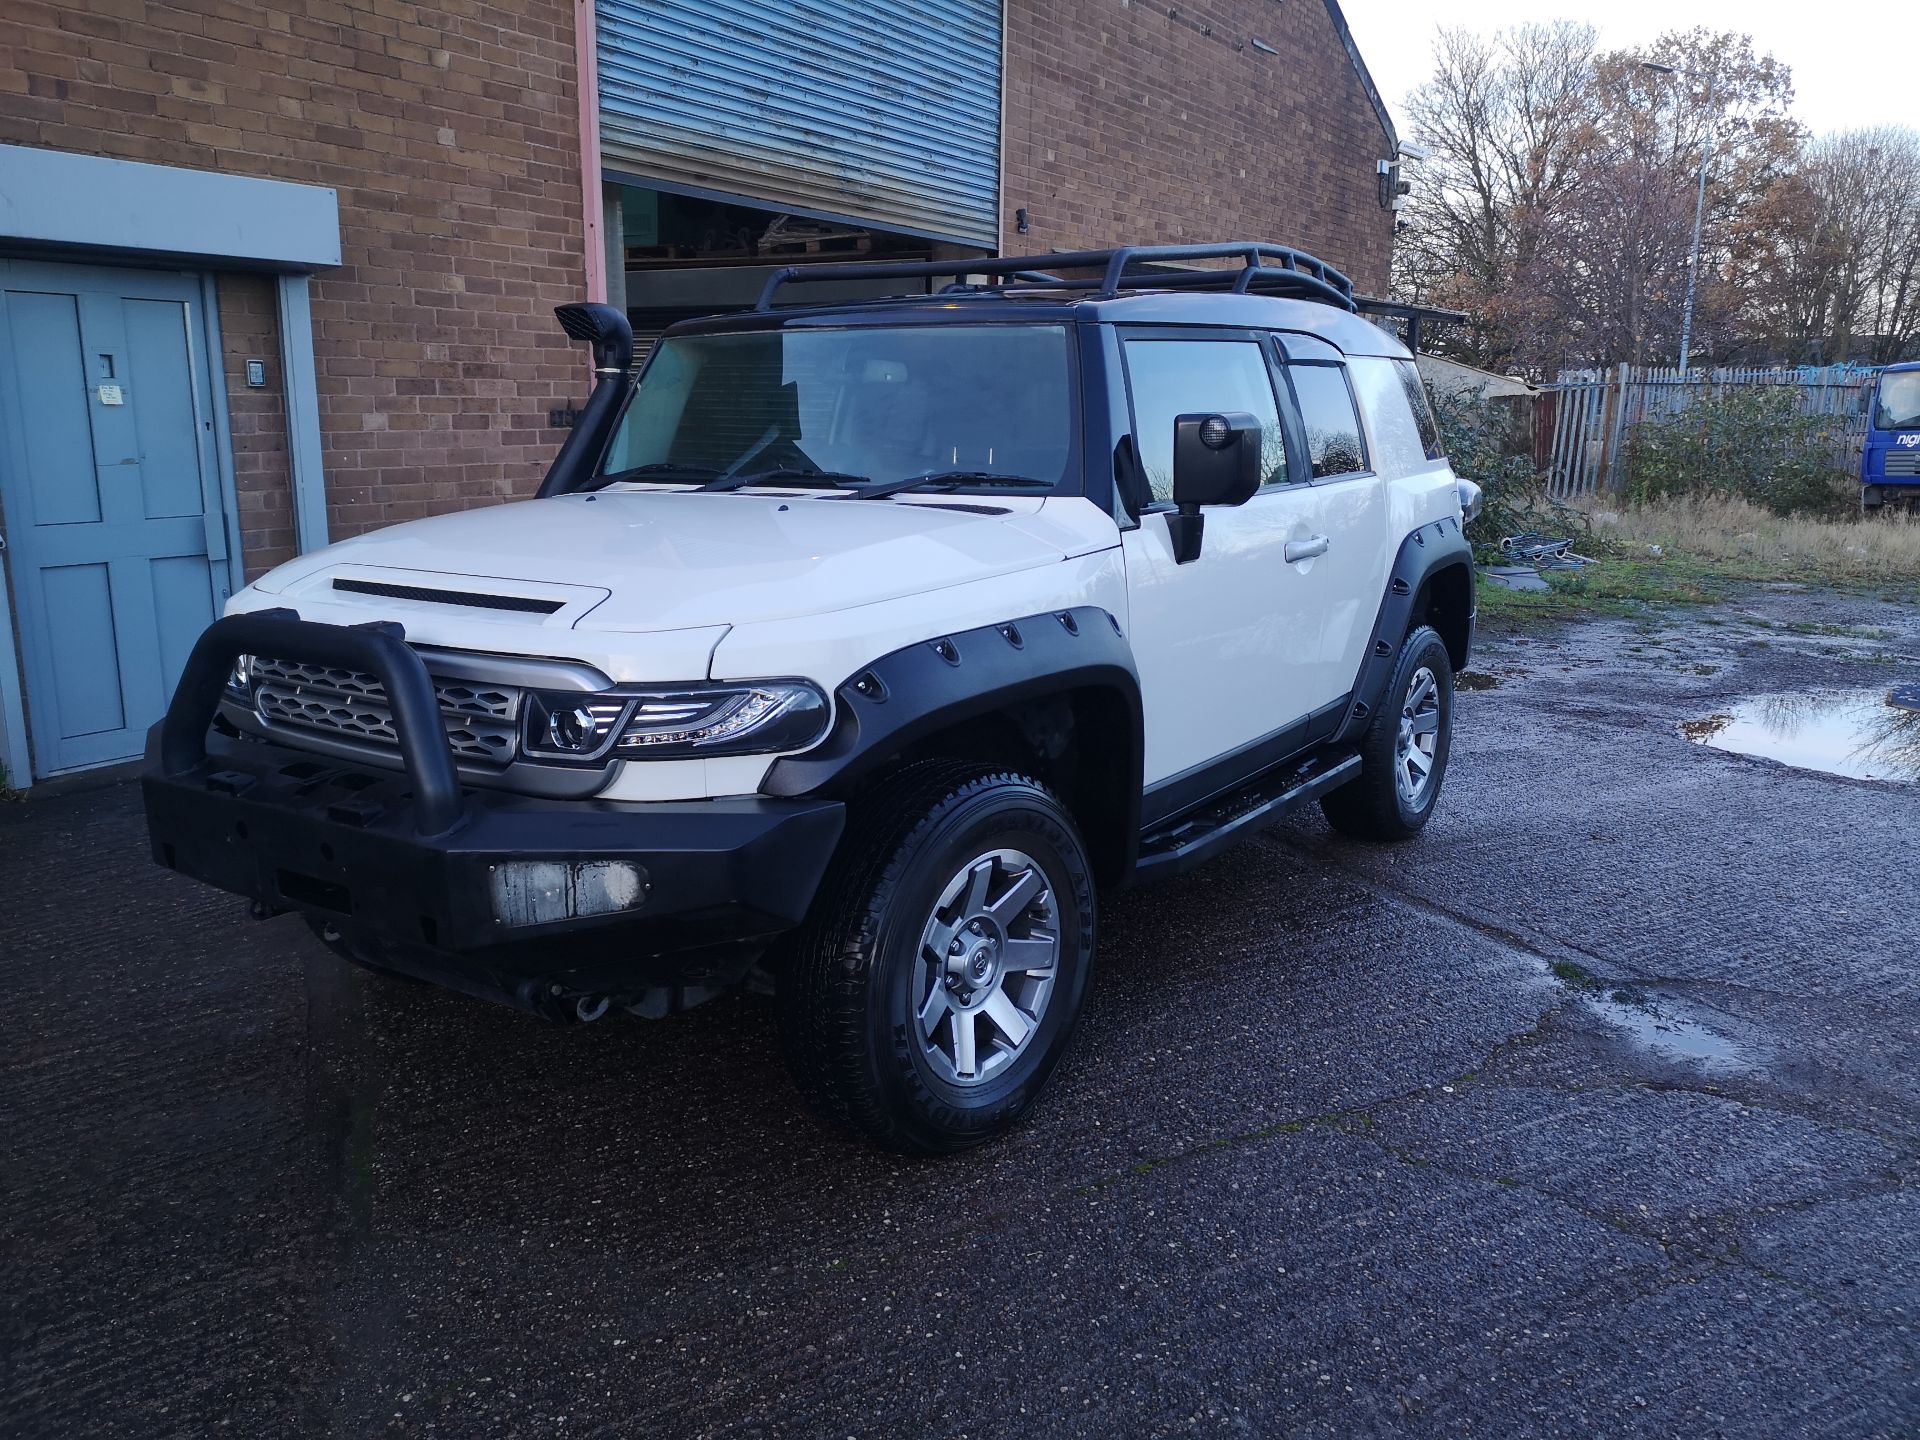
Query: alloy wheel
column 989, row 954
column 1413, row 750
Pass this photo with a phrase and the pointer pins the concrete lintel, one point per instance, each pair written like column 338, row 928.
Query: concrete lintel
column 53, row 198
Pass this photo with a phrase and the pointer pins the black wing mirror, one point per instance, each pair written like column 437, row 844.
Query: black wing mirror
column 1216, row 461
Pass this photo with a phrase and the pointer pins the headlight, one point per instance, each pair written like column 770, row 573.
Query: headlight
column 760, row 718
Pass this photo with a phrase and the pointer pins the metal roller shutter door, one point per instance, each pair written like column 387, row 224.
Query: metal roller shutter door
column 887, row 115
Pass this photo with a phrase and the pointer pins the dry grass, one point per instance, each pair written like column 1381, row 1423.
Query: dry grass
column 1744, row 541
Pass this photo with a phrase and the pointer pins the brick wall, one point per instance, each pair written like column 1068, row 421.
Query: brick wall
column 1126, row 123
column 451, row 134
column 257, row 420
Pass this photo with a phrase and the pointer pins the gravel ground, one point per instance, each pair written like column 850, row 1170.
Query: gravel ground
column 1594, row 1111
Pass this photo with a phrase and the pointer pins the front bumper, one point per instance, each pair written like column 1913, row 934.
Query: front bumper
column 1899, row 489
column 605, row 897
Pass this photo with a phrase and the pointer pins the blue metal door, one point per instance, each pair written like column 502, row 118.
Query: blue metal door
column 109, row 498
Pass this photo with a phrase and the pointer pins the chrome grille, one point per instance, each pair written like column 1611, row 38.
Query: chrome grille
column 482, row 721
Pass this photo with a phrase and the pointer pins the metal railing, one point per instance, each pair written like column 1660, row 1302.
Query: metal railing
column 1585, row 421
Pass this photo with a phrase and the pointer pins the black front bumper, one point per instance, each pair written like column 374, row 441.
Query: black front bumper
column 608, row 897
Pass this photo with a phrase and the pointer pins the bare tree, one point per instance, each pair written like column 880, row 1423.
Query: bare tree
column 1558, row 207
column 1834, row 260
column 1508, row 121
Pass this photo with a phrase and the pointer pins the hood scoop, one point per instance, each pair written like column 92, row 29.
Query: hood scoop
column 487, row 594
column 520, row 604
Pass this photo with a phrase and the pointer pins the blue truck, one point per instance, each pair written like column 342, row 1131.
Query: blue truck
column 1890, row 458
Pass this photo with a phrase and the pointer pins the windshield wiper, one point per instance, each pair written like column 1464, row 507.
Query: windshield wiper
column 665, row 470
column 787, row 474
column 951, row 480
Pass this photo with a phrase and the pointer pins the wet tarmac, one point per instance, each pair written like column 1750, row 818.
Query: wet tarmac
column 1596, row 1111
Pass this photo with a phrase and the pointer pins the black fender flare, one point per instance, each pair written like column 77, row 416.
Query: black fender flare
column 1424, row 553
column 923, row 688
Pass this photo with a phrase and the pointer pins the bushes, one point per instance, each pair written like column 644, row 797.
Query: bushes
column 1752, row 442
column 1484, row 443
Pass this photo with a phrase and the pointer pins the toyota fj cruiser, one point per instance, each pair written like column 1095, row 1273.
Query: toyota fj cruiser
column 855, row 648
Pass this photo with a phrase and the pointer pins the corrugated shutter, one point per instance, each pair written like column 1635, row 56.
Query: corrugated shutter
column 887, row 113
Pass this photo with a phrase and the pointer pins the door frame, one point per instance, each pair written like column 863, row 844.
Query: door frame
column 91, row 210
column 217, row 482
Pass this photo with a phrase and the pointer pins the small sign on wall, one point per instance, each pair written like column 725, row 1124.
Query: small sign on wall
column 256, row 374
column 111, row 395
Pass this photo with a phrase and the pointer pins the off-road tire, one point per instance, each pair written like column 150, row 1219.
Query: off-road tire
column 1374, row 807
column 846, row 1007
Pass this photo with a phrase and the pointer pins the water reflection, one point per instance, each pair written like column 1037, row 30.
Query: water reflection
column 1860, row 733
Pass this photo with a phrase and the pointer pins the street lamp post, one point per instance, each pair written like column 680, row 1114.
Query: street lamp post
column 1699, row 215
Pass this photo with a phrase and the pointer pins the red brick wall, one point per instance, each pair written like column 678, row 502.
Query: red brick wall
column 1124, row 124
column 451, row 134
column 257, row 420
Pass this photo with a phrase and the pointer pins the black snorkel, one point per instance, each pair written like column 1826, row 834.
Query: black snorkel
column 607, row 330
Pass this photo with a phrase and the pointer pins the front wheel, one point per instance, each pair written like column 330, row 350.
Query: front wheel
column 927, row 1003
column 1403, row 751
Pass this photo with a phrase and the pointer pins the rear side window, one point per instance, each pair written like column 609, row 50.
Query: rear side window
column 1397, row 446
column 1326, row 412
column 1422, row 409
column 1193, row 377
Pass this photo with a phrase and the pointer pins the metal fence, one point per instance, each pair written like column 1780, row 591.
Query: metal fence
column 1584, row 423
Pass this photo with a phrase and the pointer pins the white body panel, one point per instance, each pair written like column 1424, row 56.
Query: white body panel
column 671, row 559
column 1240, row 643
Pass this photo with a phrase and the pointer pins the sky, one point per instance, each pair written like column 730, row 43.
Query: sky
column 1841, row 77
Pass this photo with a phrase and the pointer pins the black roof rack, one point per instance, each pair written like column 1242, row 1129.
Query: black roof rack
column 1412, row 316
column 1264, row 270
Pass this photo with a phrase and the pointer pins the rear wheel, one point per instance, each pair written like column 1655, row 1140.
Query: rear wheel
column 1403, row 751
column 928, row 1002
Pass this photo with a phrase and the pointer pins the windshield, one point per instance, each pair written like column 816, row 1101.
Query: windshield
column 1898, row 405
column 879, row 404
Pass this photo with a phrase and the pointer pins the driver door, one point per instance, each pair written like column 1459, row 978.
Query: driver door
column 1233, row 648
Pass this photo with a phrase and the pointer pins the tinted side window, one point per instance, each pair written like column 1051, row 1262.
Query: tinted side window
column 1189, row 377
column 1326, row 411
column 1397, row 446
column 1416, row 392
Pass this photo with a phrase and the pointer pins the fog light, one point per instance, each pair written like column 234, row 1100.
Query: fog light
column 541, row 892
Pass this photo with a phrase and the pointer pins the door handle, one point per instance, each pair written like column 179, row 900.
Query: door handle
column 1306, row 549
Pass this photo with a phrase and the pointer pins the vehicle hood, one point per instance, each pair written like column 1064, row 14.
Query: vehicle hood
column 640, row 561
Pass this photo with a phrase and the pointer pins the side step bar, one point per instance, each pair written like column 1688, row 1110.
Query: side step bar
column 1195, row 838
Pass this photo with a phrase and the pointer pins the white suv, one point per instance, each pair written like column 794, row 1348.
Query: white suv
column 855, row 648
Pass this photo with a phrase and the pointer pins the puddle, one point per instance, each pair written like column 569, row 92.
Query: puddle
column 1860, row 733
column 1672, row 1038
column 1475, row 680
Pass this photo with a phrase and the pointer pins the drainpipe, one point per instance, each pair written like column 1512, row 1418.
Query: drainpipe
column 586, row 55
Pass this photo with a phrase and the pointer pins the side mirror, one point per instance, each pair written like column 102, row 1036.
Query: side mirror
column 1216, row 461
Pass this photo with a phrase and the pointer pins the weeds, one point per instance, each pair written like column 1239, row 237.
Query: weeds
column 1484, row 445
column 1700, row 550
column 1575, row 976
column 1629, row 587
column 1740, row 540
